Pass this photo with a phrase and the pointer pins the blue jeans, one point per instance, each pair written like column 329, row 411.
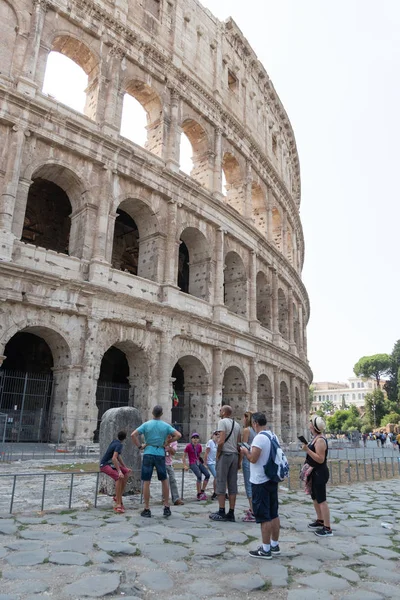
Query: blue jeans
column 198, row 470
column 149, row 462
column 246, row 476
column 212, row 470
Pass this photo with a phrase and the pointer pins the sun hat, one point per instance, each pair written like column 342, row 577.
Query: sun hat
column 194, row 435
column 318, row 423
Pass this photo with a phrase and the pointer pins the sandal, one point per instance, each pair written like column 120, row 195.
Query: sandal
column 119, row 509
column 115, row 499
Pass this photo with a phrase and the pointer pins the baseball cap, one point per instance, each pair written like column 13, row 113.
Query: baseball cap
column 194, row 435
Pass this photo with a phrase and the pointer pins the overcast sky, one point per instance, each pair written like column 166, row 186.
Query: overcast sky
column 336, row 66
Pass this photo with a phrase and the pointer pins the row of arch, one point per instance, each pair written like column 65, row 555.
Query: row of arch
column 124, row 378
column 214, row 160
column 136, row 249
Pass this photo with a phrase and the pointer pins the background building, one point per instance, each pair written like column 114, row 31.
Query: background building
column 342, row 394
column 124, row 279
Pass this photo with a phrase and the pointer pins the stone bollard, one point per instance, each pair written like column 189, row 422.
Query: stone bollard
column 114, row 420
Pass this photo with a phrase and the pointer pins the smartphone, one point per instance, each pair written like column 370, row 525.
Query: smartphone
column 302, row 439
column 245, row 445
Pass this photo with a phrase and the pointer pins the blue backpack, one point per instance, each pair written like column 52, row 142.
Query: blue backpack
column 277, row 467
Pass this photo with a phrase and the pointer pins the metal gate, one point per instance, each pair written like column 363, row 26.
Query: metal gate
column 111, row 395
column 25, row 400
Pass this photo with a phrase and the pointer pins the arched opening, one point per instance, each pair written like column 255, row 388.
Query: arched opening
column 285, row 412
column 259, row 208
column 277, row 228
column 264, row 397
column 125, row 252
column 150, row 102
column 235, row 284
column 194, row 263
column 113, row 389
column 9, row 28
column 185, row 155
column 283, row 314
column 264, row 299
column 198, row 154
column 234, row 391
column 136, row 242
column 234, row 182
column 78, row 87
column 47, row 223
column 183, row 268
column 189, row 401
column 26, row 385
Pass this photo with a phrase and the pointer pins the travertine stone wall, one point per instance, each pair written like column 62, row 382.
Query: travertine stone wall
column 239, row 334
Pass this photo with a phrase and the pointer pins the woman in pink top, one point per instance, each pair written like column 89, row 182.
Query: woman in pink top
column 193, row 451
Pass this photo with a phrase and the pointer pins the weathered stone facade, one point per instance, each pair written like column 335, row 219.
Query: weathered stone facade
column 82, row 279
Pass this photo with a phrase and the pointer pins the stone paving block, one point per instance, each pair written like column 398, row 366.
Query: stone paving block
column 160, row 552
column 203, row 588
column 271, row 569
column 8, row 597
column 308, row 594
column 179, row 566
column 8, row 528
column 369, row 559
column 384, row 553
column 117, row 547
column 94, row 587
column 346, row 546
column 43, row 536
column 320, row 552
column 362, row 595
column 72, row 544
column 68, row 558
column 32, row 587
column 246, row 583
column 157, row 581
column 306, row 564
column 147, row 537
column 383, row 575
column 24, row 545
column 322, row 581
column 232, row 567
column 100, row 557
column 3, row 552
column 30, row 520
column 347, row 573
column 24, row 559
column 371, row 540
column 387, row 590
column 208, row 550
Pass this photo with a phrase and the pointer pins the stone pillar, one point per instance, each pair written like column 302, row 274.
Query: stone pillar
column 275, row 305
column 83, row 222
column 291, row 321
column 219, row 268
column 65, row 405
column 276, row 403
column 284, row 235
column 293, row 414
column 248, row 208
column 170, row 264
column 164, row 376
column 173, row 144
column 110, row 104
column 301, row 333
column 253, row 287
column 217, row 382
column 270, row 225
column 26, row 83
column 253, row 385
column 15, row 148
column 99, row 267
column 217, row 183
column 305, row 411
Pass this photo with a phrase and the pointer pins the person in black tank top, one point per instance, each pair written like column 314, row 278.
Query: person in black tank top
column 317, row 454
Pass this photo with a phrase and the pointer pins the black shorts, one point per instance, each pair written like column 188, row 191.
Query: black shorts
column 319, row 479
column 265, row 501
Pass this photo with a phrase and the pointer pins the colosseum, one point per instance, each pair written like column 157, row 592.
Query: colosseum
column 125, row 280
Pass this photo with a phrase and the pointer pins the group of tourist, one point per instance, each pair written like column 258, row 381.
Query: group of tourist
column 228, row 450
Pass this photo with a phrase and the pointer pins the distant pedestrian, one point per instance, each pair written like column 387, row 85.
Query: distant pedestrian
column 196, row 465
column 398, row 441
column 155, row 434
column 264, row 491
column 317, row 453
column 112, row 465
column 228, row 463
column 170, row 450
column 210, row 459
column 364, row 439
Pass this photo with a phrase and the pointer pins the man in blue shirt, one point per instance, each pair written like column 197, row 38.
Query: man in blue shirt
column 155, row 433
column 112, row 465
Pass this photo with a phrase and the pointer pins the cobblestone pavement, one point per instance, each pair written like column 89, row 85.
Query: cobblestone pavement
column 69, row 555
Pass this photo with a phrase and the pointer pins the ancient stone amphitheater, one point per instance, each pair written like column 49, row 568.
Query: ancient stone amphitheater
column 123, row 279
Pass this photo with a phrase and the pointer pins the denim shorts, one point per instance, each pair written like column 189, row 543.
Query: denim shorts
column 149, row 462
column 198, row 470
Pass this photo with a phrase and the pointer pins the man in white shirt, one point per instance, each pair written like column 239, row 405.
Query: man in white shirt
column 264, row 491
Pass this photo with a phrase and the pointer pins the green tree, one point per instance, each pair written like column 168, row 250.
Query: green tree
column 375, row 407
column 392, row 417
column 328, row 406
column 392, row 386
column 336, row 421
column 345, row 420
column 375, row 366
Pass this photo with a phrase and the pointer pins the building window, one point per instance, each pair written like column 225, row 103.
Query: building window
column 353, row 396
column 362, row 384
column 358, row 384
column 352, row 385
column 232, row 81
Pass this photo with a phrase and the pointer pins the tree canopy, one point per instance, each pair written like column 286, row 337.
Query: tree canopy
column 375, row 408
column 375, row 366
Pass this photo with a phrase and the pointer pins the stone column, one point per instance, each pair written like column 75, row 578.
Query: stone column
column 170, row 273
column 15, row 148
column 110, row 106
column 304, row 407
column 219, row 268
column 26, row 83
column 253, row 287
column 291, row 321
column 284, row 235
column 270, row 225
column 293, row 417
column 253, row 385
column 301, row 333
column 99, row 266
column 248, row 207
column 217, row 381
column 173, row 144
column 275, row 305
column 217, row 184
column 164, row 376
column 276, row 403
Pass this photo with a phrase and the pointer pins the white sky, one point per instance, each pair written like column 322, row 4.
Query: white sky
column 335, row 66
